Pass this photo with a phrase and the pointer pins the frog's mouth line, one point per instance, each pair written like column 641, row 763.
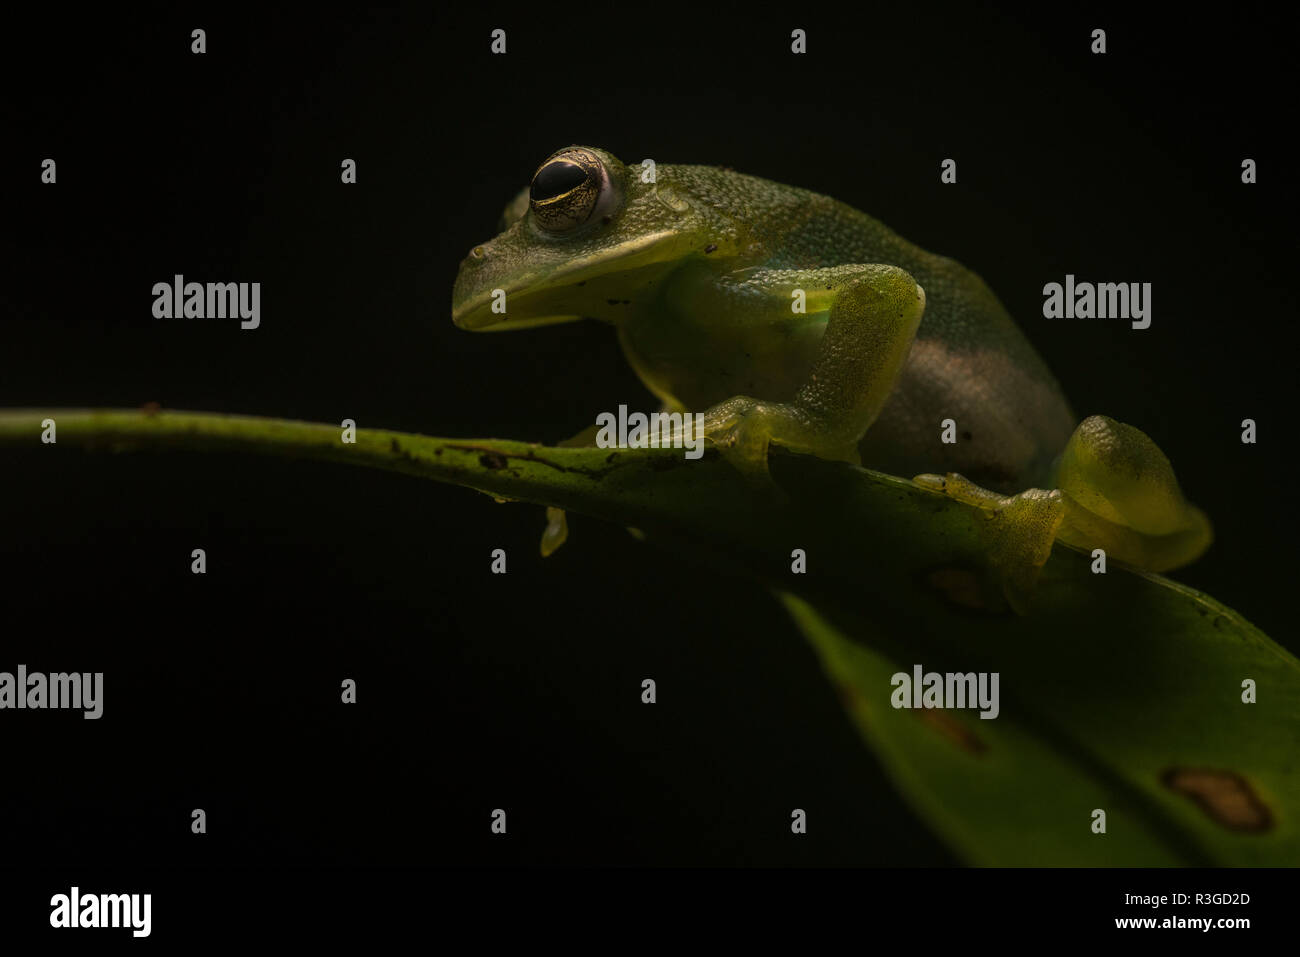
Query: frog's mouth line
column 549, row 299
column 512, row 324
column 525, row 310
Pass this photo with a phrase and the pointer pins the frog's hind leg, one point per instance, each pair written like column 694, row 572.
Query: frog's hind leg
column 1121, row 496
column 1111, row 488
column 1021, row 528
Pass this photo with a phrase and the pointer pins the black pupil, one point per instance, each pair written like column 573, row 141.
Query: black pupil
column 556, row 179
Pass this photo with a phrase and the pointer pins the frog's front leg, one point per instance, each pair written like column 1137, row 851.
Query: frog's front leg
column 872, row 315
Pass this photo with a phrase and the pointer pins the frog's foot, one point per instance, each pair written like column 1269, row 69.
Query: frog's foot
column 1022, row 528
column 557, row 531
column 1121, row 496
column 743, row 429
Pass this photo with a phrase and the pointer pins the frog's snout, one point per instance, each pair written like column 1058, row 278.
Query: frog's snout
column 466, row 286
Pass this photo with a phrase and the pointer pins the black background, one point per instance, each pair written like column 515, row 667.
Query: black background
column 478, row 691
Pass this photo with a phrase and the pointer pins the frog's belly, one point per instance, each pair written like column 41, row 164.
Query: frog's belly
column 1010, row 424
column 1011, row 419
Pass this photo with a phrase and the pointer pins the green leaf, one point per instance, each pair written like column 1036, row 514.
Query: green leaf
column 1096, row 712
column 1119, row 692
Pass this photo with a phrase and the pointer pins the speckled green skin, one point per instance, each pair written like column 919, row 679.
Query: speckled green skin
column 969, row 361
column 697, row 332
column 696, row 271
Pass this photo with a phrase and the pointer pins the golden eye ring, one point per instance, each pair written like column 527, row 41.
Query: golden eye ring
column 567, row 189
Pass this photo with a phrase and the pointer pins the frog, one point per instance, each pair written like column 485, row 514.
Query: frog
column 790, row 319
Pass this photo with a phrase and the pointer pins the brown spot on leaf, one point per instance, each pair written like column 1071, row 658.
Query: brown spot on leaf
column 850, row 699
column 492, row 460
column 952, row 729
column 964, row 588
column 1224, row 795
column 396, row 446
column 960, row 586
column 711, row 247
column 151, row 409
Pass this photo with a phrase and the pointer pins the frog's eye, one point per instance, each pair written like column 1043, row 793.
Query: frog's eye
column 567, row 189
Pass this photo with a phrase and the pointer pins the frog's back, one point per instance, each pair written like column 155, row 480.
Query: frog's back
column 970, row 362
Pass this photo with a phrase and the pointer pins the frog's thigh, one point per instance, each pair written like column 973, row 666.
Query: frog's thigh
column 873, row 312
column 1121, row 495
